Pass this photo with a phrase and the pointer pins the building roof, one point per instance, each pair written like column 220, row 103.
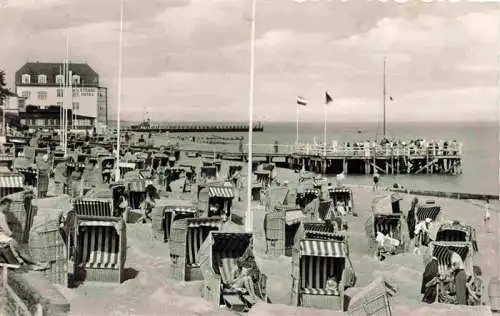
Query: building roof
column 49, row 113
column 88, row 77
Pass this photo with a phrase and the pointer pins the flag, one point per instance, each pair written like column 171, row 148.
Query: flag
column 301, row 101
column 328, row 98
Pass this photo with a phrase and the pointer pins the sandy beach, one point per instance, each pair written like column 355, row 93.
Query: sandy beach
column 150, row 290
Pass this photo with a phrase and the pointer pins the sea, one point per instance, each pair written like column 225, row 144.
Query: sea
column 480, row 149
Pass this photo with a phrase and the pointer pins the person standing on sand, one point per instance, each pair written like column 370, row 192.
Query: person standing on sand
column 487, row 216
column 411, row 219
column 376, row 178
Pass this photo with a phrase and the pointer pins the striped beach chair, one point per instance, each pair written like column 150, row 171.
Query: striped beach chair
column 10, row 183
column 100, row 249
column 187, row 236
column 93, row 207
column 428, row 210
column 457, row 232
column 313, row 263
column 218, row 256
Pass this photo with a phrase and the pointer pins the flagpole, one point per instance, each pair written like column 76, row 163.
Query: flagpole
column 61, row 72
column 67, row 92
column 384, row 96
column 297, row 129
column 249, row 215
column 117, row 170
column 324, row 131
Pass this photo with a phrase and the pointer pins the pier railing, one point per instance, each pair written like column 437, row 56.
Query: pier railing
column 338, row 151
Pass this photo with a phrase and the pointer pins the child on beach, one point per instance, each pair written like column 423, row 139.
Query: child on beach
column 487, row 216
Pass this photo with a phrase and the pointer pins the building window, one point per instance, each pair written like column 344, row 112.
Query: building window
column 40, row 122
column 26, row 94
column 76, row 79
column 42, row 79
column 76, row 106
column 60, row 92
column 23, row 122
column 59, row 79
column 26, row 79
column 33, row 122
column 59, row 104
column 42, row 95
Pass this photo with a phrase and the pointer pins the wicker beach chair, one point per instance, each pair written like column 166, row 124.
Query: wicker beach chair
column 280, row 228
column 313, row 262
column 100, row 242
column 187, row 236
column 218, row 256
column 166, row 213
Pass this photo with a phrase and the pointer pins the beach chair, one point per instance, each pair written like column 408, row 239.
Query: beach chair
column 221, row 195
column 208, row 172
column 166, row 213
column 428, row 210
column 30, row 294
column 276, row 196
column 10, row 183
column 218, row 256
column 280, row 227
column 263, row 177
column 456, row 231
column 19, row 214
column 306, row 195
column 312, row 230
column 442, row 251
column 373, row 299
column 126, row 167
column 137, row 193
column 187, row 236
column 313, row 262
column 344, row 195
column 386, row 220
column 100, row 242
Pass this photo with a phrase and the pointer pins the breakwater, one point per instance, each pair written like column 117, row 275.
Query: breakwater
column 194, row 128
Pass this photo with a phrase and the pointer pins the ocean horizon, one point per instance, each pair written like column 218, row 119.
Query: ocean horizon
column 480, row 148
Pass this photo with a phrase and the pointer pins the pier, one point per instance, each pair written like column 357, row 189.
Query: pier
column 389, row 160
column 193, row 128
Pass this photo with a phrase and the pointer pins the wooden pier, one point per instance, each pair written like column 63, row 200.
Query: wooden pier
column 384, row 160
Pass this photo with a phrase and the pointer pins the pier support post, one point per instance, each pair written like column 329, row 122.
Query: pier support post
column 324, row 165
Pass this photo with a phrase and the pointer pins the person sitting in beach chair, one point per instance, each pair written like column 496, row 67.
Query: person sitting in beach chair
column 340, row 207
column 106, row 173
column 422, row 234
column 246, row 274
column 21, row 255
column 148, row 204
column 332, row 285
column 385, row 244
column 474, row 287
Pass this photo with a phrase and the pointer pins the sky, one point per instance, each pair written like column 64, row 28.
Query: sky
column 190, row 59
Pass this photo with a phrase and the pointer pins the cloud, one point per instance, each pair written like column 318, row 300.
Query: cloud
column 30, row 4
column 185, row 58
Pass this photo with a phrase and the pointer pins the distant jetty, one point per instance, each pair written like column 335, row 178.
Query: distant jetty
column 148, row 127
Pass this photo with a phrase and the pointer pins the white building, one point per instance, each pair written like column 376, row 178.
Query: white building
column 41, row 84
